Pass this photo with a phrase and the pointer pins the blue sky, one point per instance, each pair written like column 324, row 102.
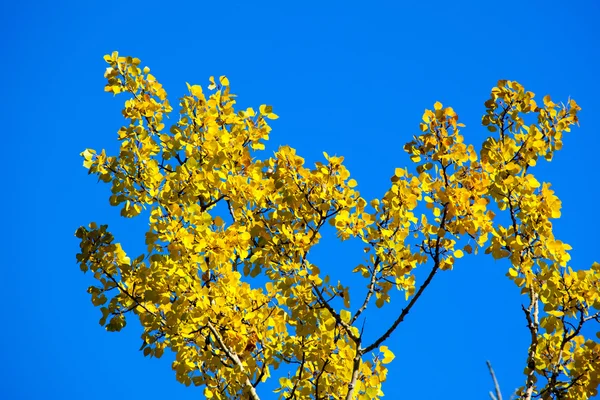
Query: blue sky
column 349, row 78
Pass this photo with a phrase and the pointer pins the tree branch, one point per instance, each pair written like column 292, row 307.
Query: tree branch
column 498, row 395
column 355, row 373
column 233, row 357
column 532, row 315
column 336, row 316
column 369, row 293
column 404, row 312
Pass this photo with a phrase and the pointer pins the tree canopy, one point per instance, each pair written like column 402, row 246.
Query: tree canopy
column 227, row 281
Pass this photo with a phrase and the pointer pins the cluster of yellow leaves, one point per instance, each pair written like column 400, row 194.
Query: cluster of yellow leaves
column 220, row 216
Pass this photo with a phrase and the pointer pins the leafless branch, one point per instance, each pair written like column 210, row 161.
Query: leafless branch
column 498, row 395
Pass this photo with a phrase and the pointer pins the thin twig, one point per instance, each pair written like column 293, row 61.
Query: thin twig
column 335, row 315
column 369, row 293
column 405, row 311
column 498, row 395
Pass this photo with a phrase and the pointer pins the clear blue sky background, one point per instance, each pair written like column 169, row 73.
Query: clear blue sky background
column 349, row 78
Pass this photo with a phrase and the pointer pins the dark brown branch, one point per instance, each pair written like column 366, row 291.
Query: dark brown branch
column 336, row 316
column 208, row 205
column 133, row 298
column 319, row 377
column 406, row 310
column 292, row 395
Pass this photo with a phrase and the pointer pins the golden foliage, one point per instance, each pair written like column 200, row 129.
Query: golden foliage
column 191, row 290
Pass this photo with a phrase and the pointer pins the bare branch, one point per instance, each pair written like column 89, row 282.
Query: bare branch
column 404, row 312
column 498, row 395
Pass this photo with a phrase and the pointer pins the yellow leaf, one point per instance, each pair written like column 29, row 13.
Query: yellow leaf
column 532, row 181
column 212, row 83
column 245, row 236
column 352, row 183
column 437, row 106
column 223, row 80
column 458, row 253
column 345, row 315
column 196, row 90
column 265, row 109
column 388, row 356
column 556, row 313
